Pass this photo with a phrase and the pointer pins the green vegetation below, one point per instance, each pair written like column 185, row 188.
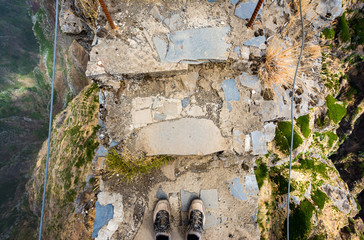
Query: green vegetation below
column 344, row 29
column 300, row 221
column 303, row 123
column 313, row 166
column 128, row 166
column 328, row 33
column 261, row 172
column 319, row 198
column 335, row 111
column 283, row 137
column 356, row 23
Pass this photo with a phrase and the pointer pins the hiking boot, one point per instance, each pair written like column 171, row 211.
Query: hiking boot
column 196, row 220
column 162, row 227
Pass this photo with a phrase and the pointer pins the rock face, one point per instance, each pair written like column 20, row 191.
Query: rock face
column 187, row 136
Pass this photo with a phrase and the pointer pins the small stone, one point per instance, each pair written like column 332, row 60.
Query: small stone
column 231, row 92
column 209, row 198
column 259, row 143
column 269, row 131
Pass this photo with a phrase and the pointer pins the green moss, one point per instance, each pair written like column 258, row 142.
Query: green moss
column 130, row 166
column 357, row 25
column 332, row 138
column 336, row 111
column 313, row 166
column 283, row 137
column 344, row 29
column 261, row 172
column 281, row 181
column 328, row 33
column 320, row 236
column 303, row 123
column 319, row 198
column 300, row 221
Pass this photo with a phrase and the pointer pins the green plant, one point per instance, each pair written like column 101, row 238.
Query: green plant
column 129, row 166
column 300, row 221
column 261, row 172
column 335, row 111
column 283, row 137
column 329, row 33
column 344, row 29
column 319, row 198
column 303, row 123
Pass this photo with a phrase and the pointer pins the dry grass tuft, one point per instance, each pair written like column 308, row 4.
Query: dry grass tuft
column 88, row 10
column 279, row 65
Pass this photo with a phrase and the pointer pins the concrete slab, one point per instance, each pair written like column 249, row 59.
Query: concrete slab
column 211, row 220
column 209, row 198
column 259, row 143
column 193, row 45
column 186, row 199
column 118, row 58
column 245, row 10
column 186, row 136
column 251, row 185
column 103, row 215
column 236, row 189
column 231, row 92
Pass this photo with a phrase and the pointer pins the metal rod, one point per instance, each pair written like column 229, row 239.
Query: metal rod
column 256, row 10
column 107, row 14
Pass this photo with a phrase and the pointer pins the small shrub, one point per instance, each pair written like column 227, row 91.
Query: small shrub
column 344, row 29
column 319, row 198
column 261, row 172
column 336, row 111
column 303, row 123
column 283, row 137
column 129, row 166
column 300, row 221
column 329, row 33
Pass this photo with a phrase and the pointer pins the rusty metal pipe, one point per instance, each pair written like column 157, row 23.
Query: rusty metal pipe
column 256, row 10
column 107, row 14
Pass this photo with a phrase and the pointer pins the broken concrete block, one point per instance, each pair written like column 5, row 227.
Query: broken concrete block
column 194, row 45
column 269, row 131
column 186, row 136
column 236, row 189
column 231, row 92
column 116, row 57
column 141, row 117
column 238, row 141
column 258, row 42
column 245, row 10
column 251, row 185
column 211, row 220
column 259, row 143
column 209, row 198
column 250, row 81
column 103, row 215
column 186, row 199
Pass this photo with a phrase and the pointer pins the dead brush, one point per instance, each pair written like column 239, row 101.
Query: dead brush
column 88, row 11
column 128, row 166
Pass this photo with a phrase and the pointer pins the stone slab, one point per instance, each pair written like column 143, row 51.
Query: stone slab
column 245, row 10
column 118, row 58
column 186, row 199
column 250, row 81
column 259, row 143
column 101, row 152
column 258, row 42
column 231, row 92
column 161, row 194
column 211, row 220
column 103, row 215
column 251, row 185
column 236, row 189
column 186, row 136
column 193, row 45
column 209, row 198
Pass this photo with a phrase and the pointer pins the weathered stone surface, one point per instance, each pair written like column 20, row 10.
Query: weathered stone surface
column 68, row 21
column 187, row 136
column 193, row 45
column 237, row 190
column 209, row 198
column 231, row 92
column 269, row 131
column 259, row 143
column 258, row 42
column 331, row 8
column 250, row 81
column 102, row 217
column 115, row 200
column 186, row 199
column 141, row 117
column 211, row 220
column 238, row 141
column 245, row 10
column 77, row 59
column 340, row 198
column 118, row 58
column 251, row 185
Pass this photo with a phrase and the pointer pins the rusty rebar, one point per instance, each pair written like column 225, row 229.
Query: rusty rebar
column 256, row 10
column 107, row 14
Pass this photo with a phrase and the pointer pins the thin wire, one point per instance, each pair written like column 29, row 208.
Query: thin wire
column 50, row 120
column 292, row 107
